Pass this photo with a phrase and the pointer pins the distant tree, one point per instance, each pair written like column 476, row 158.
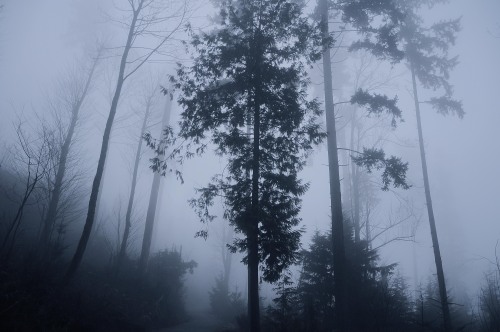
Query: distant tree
column 224, row 303
column 143, row 19
column 251, row 71
column 149, row 100
column 427, row 55
column 377, row 22
column 284, row 314
column 155, row 189
column 77, row 87
column 31, row 161
column 379, row 300
column 489, row 299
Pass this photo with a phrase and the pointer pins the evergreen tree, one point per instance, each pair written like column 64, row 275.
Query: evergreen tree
column 377, row 22
column 379, row 300
column 427, row 55
column 250, row 72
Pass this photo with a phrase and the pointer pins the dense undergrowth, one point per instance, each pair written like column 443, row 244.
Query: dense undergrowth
column 34, row 298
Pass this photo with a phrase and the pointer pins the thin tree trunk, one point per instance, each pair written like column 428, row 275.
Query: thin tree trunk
column 50, row 219
column 339, row 259
column 126, row 231
column 153, row 201
column 355, row 181
column 226, row 256
column 82, row 244
column 435, row 243
column 14, row 225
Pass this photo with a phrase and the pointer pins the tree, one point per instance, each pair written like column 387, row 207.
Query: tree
column 144, row 19
column 77, row 91
column 427, row 55
column 489, row 298
column 149, row 100
column 153, row 196
column 381, row 40
column 251, row 71
column 380, row 301
column 32, row 161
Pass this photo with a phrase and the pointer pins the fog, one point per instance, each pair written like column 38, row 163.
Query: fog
column 43, row 42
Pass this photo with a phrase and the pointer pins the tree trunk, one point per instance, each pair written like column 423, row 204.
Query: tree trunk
column 50, row 219
column 82, row 244
column 126, row 231
column 339, row 259
column 435, row 243
column 153, row 201
column 226, row 256
column 355, row 180
column 253, row 229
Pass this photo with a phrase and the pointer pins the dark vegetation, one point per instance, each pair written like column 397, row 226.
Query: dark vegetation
column 33, row 297
column 246, row 97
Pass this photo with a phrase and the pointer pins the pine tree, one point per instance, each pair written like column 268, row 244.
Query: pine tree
column 251, row 71
column 427, row 55
column 377, row 22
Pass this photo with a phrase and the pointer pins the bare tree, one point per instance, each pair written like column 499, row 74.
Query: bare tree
column 148, row 104
column 75, row 88
column 31, row 161
column 144, row 20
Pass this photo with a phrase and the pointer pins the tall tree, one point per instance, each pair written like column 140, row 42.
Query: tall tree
column 380, row 38
column 153, row 198
column 427, row 55
column 77, row 92
column 143, row 18
column 251, row 71
column 149, row 100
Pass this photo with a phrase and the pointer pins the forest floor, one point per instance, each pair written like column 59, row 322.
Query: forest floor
column 201, row 321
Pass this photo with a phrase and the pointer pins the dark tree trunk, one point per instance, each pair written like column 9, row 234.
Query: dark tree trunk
column 435, row 243
column 355, row 180
column 51, row 216
column 82, row 244
column 253, row 229
column 339, row 259
column 128, row 216
column 153, row 201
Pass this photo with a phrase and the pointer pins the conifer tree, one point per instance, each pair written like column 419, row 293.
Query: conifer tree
column 427, row 55
column 377, row 23
column 251, row 71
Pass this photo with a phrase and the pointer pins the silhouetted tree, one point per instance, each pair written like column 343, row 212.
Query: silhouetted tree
column 378, row 299
column 153, row 196
column 377, row 22
column 143, row 19
column 427, row 55
column 251, row 71
column 77, row 89
column 31, row 160
column 149, row 100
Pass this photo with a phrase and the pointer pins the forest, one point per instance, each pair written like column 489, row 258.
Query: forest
column 249, row 165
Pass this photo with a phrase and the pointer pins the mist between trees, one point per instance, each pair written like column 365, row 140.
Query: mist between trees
column 273, row 165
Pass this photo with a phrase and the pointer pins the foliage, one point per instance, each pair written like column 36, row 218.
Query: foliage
column 379, row 299
column 394, row 169
column 284, row 316
column 225, row 304
column 377, row 104
column 428, row 314
column 246, row 93
column 32, row 298
column 427, row 51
